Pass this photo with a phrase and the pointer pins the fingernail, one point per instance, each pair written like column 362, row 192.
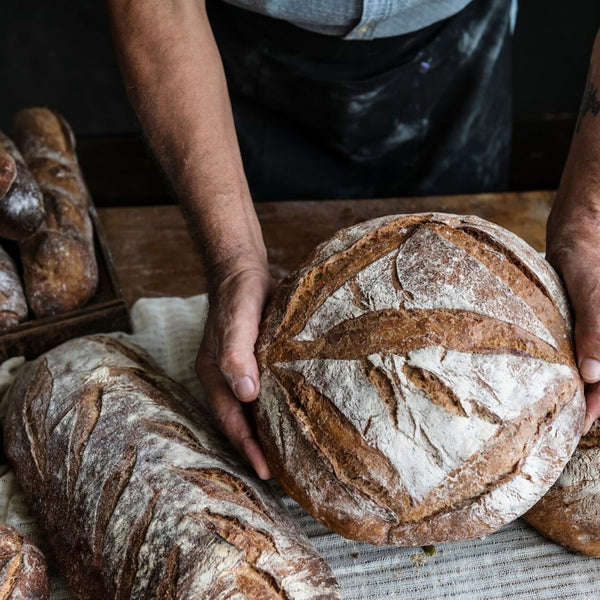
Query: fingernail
column 264, row 473
column 590, row 370
column 587, row 424
column 243, row 387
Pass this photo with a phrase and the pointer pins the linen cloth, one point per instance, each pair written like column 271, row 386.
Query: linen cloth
column 515, row 562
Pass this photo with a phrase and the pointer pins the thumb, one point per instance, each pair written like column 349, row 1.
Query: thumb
column 587, row 346
column 583, row 287
column 236, row 360
column 236, row 336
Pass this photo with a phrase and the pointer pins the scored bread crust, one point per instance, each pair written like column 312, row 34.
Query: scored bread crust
column 418, row 383
column 569, row 513
column 22, row 207
column 23, row 570
column 59, row 262
column 8, row 170
column 137, row 493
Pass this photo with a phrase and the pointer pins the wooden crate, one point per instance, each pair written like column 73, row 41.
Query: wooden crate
column 106, row 311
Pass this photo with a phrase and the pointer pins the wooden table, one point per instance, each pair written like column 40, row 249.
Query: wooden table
column 154, row 255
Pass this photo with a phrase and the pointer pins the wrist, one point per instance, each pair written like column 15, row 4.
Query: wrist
column 573, row 224
column 226, row 281
column 227, row 232
column 234, row 253
column 233, row 267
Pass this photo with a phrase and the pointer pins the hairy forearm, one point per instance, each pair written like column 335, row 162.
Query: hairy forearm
column 175, row 81
column 573, row 233
column 581, row 176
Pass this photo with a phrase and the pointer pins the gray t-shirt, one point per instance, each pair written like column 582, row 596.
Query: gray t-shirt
column 357, row 19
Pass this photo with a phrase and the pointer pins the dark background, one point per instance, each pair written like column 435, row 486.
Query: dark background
column 59, row 53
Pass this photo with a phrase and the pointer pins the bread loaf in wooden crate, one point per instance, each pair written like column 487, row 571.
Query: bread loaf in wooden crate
column 8, row 171
column 59, row 262
column 22, row 206
column 418, row 382
column 13, row 305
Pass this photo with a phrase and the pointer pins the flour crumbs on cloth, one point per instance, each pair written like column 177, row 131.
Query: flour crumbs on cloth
column 483, row 569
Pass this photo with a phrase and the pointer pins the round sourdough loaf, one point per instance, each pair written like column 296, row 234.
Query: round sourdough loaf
column 569, row 513
column 418, row 383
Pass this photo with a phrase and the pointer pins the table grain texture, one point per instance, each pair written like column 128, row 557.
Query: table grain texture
column 154, row 255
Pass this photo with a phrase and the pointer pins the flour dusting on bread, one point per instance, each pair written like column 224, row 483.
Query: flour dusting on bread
column 422, row 367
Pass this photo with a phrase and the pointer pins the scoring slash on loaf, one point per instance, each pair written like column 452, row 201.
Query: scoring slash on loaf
column 418, row 383
column 139, row 496
column 569, row 513
column 23, row 570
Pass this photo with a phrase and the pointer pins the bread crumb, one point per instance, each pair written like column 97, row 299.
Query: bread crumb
column 420, row 559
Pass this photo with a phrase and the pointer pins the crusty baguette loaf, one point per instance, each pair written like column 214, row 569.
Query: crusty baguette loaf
column 418, row 383
column 8, row 171
column 59, row 262
column 569, row 513
column 23, row 571
column 22, row 207
column 139, row 497
column 13, row 305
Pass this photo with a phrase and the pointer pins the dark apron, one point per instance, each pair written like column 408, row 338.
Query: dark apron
column 321, row 117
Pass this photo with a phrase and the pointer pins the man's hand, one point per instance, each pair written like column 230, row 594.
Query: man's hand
column 573, row 235
column 226, row 365
column 573, row 248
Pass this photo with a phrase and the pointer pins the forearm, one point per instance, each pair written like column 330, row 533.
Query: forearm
column 580, row 182
column 573, row 235
column 175, row 81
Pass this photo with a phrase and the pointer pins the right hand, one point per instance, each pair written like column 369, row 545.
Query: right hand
column 226, row 365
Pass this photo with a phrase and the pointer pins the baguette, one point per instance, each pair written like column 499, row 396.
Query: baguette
column 23, row 570
column 13, row 305
column 22, row 206
column 418, row 381
column 139, row 497
column 59, row 263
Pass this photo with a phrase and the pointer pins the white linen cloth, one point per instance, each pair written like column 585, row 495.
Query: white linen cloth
column 513, row 563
